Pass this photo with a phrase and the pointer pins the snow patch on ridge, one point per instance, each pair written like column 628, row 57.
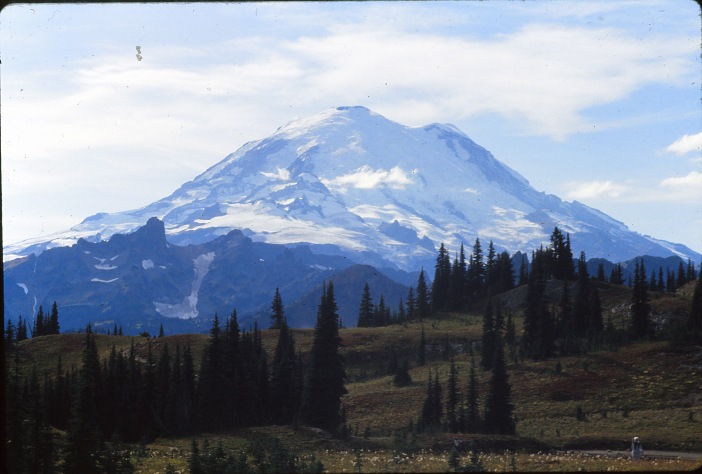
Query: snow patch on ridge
column 187, row 309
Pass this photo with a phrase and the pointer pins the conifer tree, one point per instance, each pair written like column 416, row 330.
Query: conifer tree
column 38, row 329
column 695, row 318
column 473, row 421
column 640, row 308
column 365, row 310
column 284, row 389
column 475, row 274
column 601, row 273
column 499, row 411
column 422, row 301
column 411, row 304
column 211, row 394
column 682, row 276
column 21, row 334
column 83, row 438
column 453, row 397
column 277, row 311
column 504, row 274
column 691, row 274
column 442, row 279
column 53, row 326
column 321, row 401
column 523, row 272
column 581, row 306
column 538, row 339
column 456, row 291
column 487, row 346
column 422, row 350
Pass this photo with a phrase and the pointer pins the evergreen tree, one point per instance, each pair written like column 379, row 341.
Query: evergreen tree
column 473, row 421
column 411, row 304
column 601, row 273
column 9, row 334
column 456, row 291
column 161, row 333
column 523, row 272
column 640, row 308
column 475, row 275
column 38, row 329
column 422, row 351
column 487, row 346
column 321, row 402
column 402, row 376
column 422, row 301
column 430, row 416
column 691, row 274
column 53, row 326
column 365, row 310
column 21, row 334
column 567, row 327
column 695, row 318
column 277, row 312
column 538, row 339
column 581, row 307
column 682, row 276
column 617, row 275
column 84, row 440
column 562, row 256
column 284, row 389
column 442, row 279
column 211, row 393
column 499, row 417
column 453, row 397
column 490, row 270
column 504, row 278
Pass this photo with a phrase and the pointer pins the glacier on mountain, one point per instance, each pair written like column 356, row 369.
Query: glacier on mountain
column 350, row 182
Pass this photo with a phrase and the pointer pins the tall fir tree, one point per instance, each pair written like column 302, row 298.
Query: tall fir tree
column 411, row 304
column 321, row 401
column 365, row 310
column 475, row 274
column 472, row 420
column 487, row 345
column 538, row 339
column 284, row 388
column 641, row 326
column 499, row 410
column 453, row 397
column 694, row 320
column 277, row 311
column 84, row 440
column 423, row 303
column 442, row 280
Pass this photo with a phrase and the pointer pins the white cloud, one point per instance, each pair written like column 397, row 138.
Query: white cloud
column 681, row 187
column 596, row 189
column 366, row 177
column 686, row 144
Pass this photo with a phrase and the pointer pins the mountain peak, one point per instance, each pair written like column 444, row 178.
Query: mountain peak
column 350, row 181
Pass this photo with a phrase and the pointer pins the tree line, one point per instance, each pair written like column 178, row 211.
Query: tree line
column 130, row 397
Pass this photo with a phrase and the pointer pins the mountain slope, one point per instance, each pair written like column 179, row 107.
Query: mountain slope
column 139, row 281
column 353, row 183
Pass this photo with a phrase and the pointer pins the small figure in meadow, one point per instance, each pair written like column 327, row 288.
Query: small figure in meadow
column 636, row 448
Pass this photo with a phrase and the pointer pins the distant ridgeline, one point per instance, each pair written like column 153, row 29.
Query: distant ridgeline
column 138, row 282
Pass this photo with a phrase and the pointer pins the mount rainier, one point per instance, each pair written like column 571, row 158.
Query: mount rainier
column 346, row 195
column 350, row 182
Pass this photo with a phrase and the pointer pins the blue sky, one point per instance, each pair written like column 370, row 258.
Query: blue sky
column 591, row 101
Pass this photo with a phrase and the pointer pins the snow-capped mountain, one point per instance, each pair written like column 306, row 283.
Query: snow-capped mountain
column 351, row 182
